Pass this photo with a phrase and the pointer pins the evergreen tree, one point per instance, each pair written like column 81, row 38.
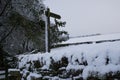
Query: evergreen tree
column 56, row 35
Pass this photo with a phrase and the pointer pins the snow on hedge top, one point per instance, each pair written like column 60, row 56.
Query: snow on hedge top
column 93, row 38
column 98, row 58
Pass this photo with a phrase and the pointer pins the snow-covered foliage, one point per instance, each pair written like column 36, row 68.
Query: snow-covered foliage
column 81, row 61
column 31, row 9
column 22, row 26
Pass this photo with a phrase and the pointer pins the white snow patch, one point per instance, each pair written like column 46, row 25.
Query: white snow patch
column 92, row 38
column 34, row 75
column 94, row 57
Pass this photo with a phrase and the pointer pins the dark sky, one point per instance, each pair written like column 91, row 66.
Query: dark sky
column 88, row 16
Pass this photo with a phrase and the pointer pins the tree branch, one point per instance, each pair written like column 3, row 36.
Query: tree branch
column 7, row 34
column 7, row 2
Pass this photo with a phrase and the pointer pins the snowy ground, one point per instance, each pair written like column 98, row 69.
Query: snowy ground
column 93, row 38
column 94, row 54
column 101, row 58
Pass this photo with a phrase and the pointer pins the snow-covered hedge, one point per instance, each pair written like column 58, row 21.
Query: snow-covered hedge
column 81, row 61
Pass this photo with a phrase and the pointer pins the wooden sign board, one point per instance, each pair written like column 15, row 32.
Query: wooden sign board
column 55, row 15
column 50, row 14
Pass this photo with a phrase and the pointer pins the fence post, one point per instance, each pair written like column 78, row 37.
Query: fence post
column 15, row 73
column 6, row 70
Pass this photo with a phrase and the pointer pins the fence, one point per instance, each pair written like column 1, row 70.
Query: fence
column 11, row 74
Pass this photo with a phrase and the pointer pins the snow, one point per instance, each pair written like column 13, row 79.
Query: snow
column 2, row 74
column 93, row 38
column 98, row 59
column 13, row 70
column 46, row 35
column 34, row 75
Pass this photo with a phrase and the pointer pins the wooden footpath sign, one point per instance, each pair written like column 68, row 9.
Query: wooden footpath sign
column 56, row 16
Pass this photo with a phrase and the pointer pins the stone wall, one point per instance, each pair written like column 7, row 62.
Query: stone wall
column 52, row 67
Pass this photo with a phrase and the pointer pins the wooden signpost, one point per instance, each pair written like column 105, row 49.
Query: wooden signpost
column 47, row 30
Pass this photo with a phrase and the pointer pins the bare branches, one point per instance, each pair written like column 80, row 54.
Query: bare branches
column 9, row 32
column 4, row 8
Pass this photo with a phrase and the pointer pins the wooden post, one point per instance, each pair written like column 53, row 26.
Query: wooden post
column 47, row 30
column 6, row 70
column 15, row 74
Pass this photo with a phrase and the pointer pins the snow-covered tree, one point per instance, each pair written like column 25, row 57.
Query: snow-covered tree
column 57, row 35
column 21, row 24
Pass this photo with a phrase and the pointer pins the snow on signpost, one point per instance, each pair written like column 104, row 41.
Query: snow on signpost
column 47, row 26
